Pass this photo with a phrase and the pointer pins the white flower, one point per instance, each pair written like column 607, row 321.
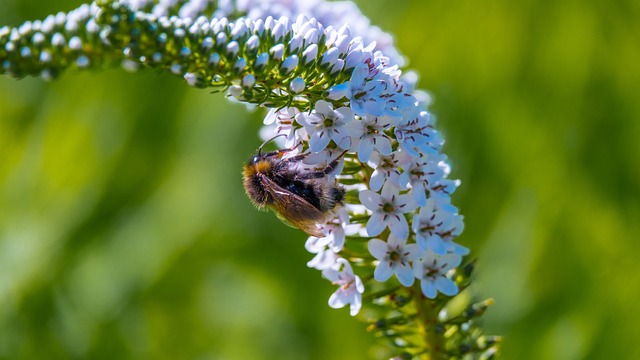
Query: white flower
column 388, row 209
column 325, row 258
column 432, row 270
column 350, row 290
column 297, row 85
column 420, row 174
column 415, row 132
column 387, row 168
column 372, row 136
column 325, row 124
column 395, row 256
column 366, row 93
column 436, row 226
column 283, row 120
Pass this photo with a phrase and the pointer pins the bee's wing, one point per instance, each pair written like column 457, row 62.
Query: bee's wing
column 294, row 208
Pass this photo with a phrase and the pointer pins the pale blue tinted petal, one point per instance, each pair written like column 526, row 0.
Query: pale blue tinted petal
column 382, row 272
column 419, row 194
column 383, row 144
column 408, row 203
column 378, row 248
column 459, row 249
column 414, row 252
column 446, row 286
column 356, row 304
column 370, row 199
column 405, row 275
column 319, row 140
column 398, row 226
column 365, row 148
column 377, row 179
column 428, row 289
column 324, row 108
column 375, row 225
column 337, row 301
column 436, row 245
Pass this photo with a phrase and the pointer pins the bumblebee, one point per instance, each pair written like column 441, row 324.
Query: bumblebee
column 300, row 196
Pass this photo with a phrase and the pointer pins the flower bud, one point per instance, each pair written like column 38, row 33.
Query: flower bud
column 233, row 48
column 207, row 43
column 75, row 43
column 289, row 64
column 235, row 91
column 239, row 66
column 252, row 44
column 82, row 61
column 239, row 29
column 261, row 62
column 221, row 39
column 57, row 39
column 329, row 57
column 342, row 43
column 311, row 37
column 278, row 31
column 277, row 52
column 297, row 85
column 258, row 27
column 337, row 67
column 296, row 43
column 248, row 81
column 214, row 60
column 310, row 54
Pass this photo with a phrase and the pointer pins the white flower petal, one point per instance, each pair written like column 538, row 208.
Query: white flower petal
column 446, row 286
column 365, row 148
column 383, row 144
column 370, row 199
column 398, row 226
column 428, row 289
column 319, row 140
column 378, row 248
column 375, row 225
column 382, row 272
column 404, row 274
column 324, row 108
column 377, row 180
column 436, row 245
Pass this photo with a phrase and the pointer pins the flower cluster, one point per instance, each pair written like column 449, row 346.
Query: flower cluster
column 336, row 93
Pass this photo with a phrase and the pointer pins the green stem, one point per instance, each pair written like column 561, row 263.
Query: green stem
column 427, row 319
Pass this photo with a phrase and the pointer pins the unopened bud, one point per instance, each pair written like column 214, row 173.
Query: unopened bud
column 297, row 85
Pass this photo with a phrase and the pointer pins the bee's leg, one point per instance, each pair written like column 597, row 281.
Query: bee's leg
column 321, row 173
column 281, row 152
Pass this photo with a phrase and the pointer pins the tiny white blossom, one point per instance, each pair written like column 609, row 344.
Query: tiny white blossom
column 309, row 54
column 394, row 257
column 372, row 136
column 420, row 175
column 432, row 273
column 387, row 168
column 388, row 210
column 436, row 226
column 297, row 85
column 248, row 81
column 350, row 287
column 366, row 93
column 325, row 124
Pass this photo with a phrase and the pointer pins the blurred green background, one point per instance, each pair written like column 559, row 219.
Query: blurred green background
column 125, row 232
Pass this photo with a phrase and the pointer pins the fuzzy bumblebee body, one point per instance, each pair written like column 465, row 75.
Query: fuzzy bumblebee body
column 299, row 196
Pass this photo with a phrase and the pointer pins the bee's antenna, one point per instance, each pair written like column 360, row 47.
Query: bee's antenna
column 267, row 141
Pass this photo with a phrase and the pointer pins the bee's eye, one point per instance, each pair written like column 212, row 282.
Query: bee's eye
column 255, row 159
